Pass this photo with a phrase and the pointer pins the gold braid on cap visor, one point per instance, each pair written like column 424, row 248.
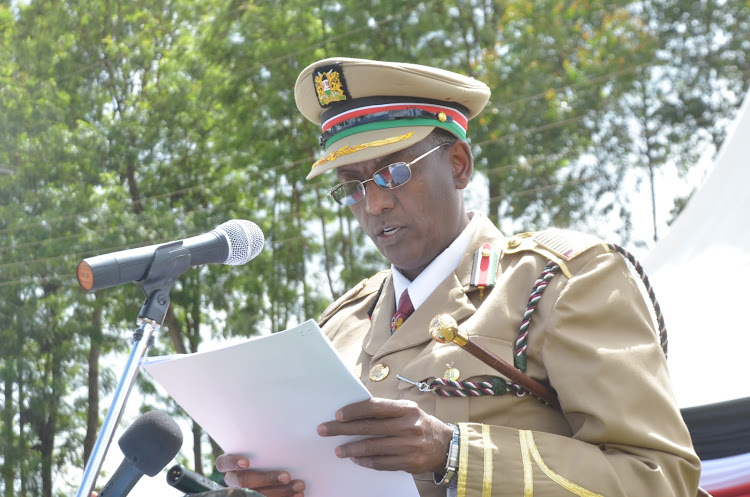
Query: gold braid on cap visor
column 350, row 150
column 385, row 116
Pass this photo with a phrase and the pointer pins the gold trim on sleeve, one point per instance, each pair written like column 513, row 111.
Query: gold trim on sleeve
column 463, row 461
column 489, row 450
column 529, row 446
column 528, row 469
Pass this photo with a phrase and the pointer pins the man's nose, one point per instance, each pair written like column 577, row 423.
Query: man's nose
column 376, row 199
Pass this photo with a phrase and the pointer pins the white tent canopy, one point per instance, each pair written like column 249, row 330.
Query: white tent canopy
column 701, row 274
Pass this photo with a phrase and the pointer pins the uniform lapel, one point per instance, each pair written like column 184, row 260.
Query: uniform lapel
column 450, row 297
column 380, row 324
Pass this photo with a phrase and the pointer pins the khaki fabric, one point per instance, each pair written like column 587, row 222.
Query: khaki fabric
column 592, row 337
column 332, row 86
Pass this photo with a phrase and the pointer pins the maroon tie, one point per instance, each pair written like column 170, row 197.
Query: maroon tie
column 405, row 308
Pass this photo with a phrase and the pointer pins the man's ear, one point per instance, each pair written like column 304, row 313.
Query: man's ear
column 462, row 162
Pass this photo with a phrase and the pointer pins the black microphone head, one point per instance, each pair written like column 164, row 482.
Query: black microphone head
column 245, row 240
column 151, row 442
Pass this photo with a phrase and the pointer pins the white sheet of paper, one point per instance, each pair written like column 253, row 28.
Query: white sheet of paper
column 264, row 398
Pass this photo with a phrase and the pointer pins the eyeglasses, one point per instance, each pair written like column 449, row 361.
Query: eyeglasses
column 387, row 178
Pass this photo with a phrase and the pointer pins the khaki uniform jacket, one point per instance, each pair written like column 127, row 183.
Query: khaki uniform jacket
column 592, row 338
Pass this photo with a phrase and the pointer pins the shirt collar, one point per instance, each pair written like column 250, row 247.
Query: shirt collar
column 439, row 269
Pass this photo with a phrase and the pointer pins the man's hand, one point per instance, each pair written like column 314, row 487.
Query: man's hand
column 401, row 436
column 270, row 483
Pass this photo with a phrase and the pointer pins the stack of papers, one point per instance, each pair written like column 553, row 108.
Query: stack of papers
column 264, row 398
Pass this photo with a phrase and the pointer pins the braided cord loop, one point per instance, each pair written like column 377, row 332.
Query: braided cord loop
column 651, row 294
column 500, row 386
column 494, row 386
column 519, row 355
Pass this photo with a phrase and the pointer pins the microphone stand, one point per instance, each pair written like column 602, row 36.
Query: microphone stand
column 170, row 261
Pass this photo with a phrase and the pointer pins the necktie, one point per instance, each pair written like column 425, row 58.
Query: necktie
column 404, row 310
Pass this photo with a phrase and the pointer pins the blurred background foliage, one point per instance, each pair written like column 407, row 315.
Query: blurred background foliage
column 128, row 123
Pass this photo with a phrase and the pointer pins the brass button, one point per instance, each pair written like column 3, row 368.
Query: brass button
column 379, row 372
column 452, row 374
column 514, row 242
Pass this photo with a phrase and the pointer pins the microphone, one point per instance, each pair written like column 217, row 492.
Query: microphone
column 189, row 481
column 234, row 242
column 148, row 445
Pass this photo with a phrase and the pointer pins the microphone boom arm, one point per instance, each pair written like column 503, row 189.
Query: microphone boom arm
column 141, row 341
column 170, row 261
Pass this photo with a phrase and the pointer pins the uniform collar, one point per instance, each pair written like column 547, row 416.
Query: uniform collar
column 439, row 269
column 449, row 296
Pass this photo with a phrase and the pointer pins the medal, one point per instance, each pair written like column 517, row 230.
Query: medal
column 451, row 374
column 379, row 372
column 484, row 270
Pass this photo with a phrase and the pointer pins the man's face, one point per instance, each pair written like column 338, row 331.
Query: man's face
column 413, row 223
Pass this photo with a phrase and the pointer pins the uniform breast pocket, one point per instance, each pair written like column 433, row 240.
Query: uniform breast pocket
column 451, row 362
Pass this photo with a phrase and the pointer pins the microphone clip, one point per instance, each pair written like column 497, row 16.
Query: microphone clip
column 170, row 261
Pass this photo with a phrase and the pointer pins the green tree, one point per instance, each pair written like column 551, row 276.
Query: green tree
column 674, row 109
column 42, row 353
column 131, row 123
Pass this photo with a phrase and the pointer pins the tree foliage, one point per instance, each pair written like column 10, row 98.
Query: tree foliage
column 131, row 123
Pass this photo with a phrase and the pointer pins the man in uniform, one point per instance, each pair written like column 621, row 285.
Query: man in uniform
column 560, row 307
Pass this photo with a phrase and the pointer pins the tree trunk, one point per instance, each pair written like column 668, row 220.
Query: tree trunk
column 197, row 451
column 92, row 415
column 10, row 460
column 327, row 262
column 47, row 422
column 174, row 331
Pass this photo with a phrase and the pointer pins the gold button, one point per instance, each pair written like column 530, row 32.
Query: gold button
column 379, row 372
column 452, row 374
column 442, row 117
column 514, row 242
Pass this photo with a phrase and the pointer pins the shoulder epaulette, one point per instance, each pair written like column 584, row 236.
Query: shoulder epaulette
column 558, row 245
column 567, row 244
column 362, row 289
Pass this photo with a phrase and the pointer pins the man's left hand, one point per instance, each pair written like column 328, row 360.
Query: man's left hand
column 401, row 436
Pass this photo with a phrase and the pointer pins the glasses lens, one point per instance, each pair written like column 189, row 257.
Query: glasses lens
column 392, row 176
column 348, row 193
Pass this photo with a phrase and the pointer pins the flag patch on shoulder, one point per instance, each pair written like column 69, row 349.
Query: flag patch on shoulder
column 566, row 244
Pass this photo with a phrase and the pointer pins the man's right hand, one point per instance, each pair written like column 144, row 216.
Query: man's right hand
column 237, row 474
